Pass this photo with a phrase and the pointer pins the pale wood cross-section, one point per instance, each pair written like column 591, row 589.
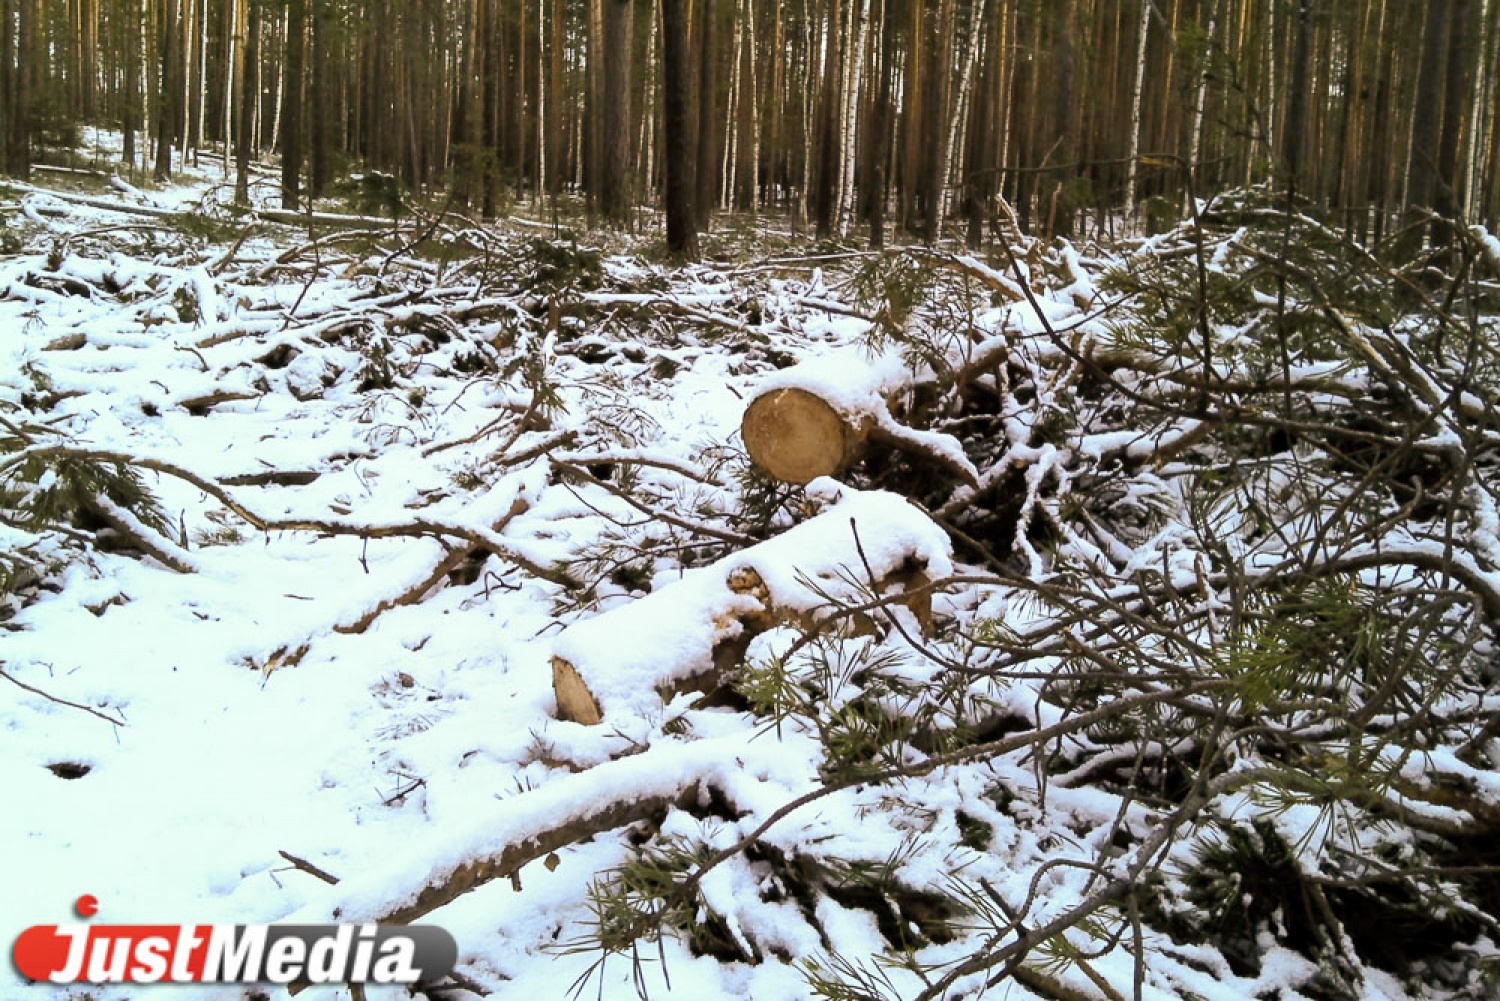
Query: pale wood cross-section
column 795, row 436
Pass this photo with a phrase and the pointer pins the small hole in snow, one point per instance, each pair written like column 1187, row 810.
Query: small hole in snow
column 69, row 769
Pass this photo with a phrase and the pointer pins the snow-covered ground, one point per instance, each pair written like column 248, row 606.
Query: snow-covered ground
column 233, row 709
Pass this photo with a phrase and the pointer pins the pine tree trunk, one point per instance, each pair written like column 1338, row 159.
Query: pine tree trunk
column 880, row 123
column 291, row 104
column 1422, row 156
column 614, row 200
column 1480, row 112
column 322, row 104
column 677, row 133
column 1295, row 138
column 708, row 140
column 1446, row 199
column 554, row 105
column 1200, row 96
column 747, row 160
column 854, row 61
column 249, row 84
column 954, row 141
column 935, row 122
column 14, row 101
column 166, row 118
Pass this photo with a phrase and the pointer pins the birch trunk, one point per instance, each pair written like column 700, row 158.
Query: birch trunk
column 1481, row 110
column 853, row 73
column 1133, row 166
column 955, row 145
column 1200, row 97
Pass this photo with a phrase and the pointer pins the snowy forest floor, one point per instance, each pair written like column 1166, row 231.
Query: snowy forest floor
column 291, row 531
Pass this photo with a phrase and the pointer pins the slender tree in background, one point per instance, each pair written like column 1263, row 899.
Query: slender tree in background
column 1426, row 124
column 166, row 104
column 707, row 168
column 249, row 85
column 677, row 130
column 16, row 47
column 557, row 36
column 825, row 190
column 292, row 103
column 1446, row 197
column 322, row 93
column 614, row 195
column 878, row 140
column 1295, row 140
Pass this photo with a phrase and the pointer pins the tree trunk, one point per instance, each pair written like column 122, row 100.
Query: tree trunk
column 1422, row 155
column 1446, row 199
column 291, row 105
column 747, row 155
column 825, row 191
column 323, row 64
column 249, row 84
column 614, row 195
column 553, row 126
column 166, row 117
column 677, row 96
column 880, row 123
column 708, row 139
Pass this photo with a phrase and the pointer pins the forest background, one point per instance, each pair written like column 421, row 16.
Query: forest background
column 851, row 115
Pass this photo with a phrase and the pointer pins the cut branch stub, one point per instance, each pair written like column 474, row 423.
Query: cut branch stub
column 574, row 700
column 795, row 436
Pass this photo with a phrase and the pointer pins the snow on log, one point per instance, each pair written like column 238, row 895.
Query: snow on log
column 499, row 840
column 685, row 636
column 814, row 418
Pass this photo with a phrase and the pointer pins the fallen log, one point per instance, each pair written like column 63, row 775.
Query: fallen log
column 816, row 418
column 687, row 636
column 529, row 826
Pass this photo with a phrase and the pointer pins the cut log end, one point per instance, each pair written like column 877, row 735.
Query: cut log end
column 574, row 700
column 795, row 436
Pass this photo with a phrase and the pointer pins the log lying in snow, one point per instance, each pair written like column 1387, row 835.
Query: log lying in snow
column 501, row 838
column 815, row 418
column 684, row 636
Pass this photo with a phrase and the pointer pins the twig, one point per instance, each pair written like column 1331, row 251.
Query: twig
column 62, row 702
column 309, row 868
column 697, row 527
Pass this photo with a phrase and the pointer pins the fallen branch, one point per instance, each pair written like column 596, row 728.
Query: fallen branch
column 141, row 535
column 447, row 565
column 272, row 478
column 62, row 702
column 534, row 824
column 307, row 867
column 422, row 528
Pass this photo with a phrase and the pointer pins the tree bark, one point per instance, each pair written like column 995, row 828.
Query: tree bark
column 1421, row 162
column 249, row 85
column 1446, row 197
column 166, row 116
column 614, row 195
column 677, row 97
column 707, row 176
column 825, row 190
column 879, row 140
column 291, row 105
